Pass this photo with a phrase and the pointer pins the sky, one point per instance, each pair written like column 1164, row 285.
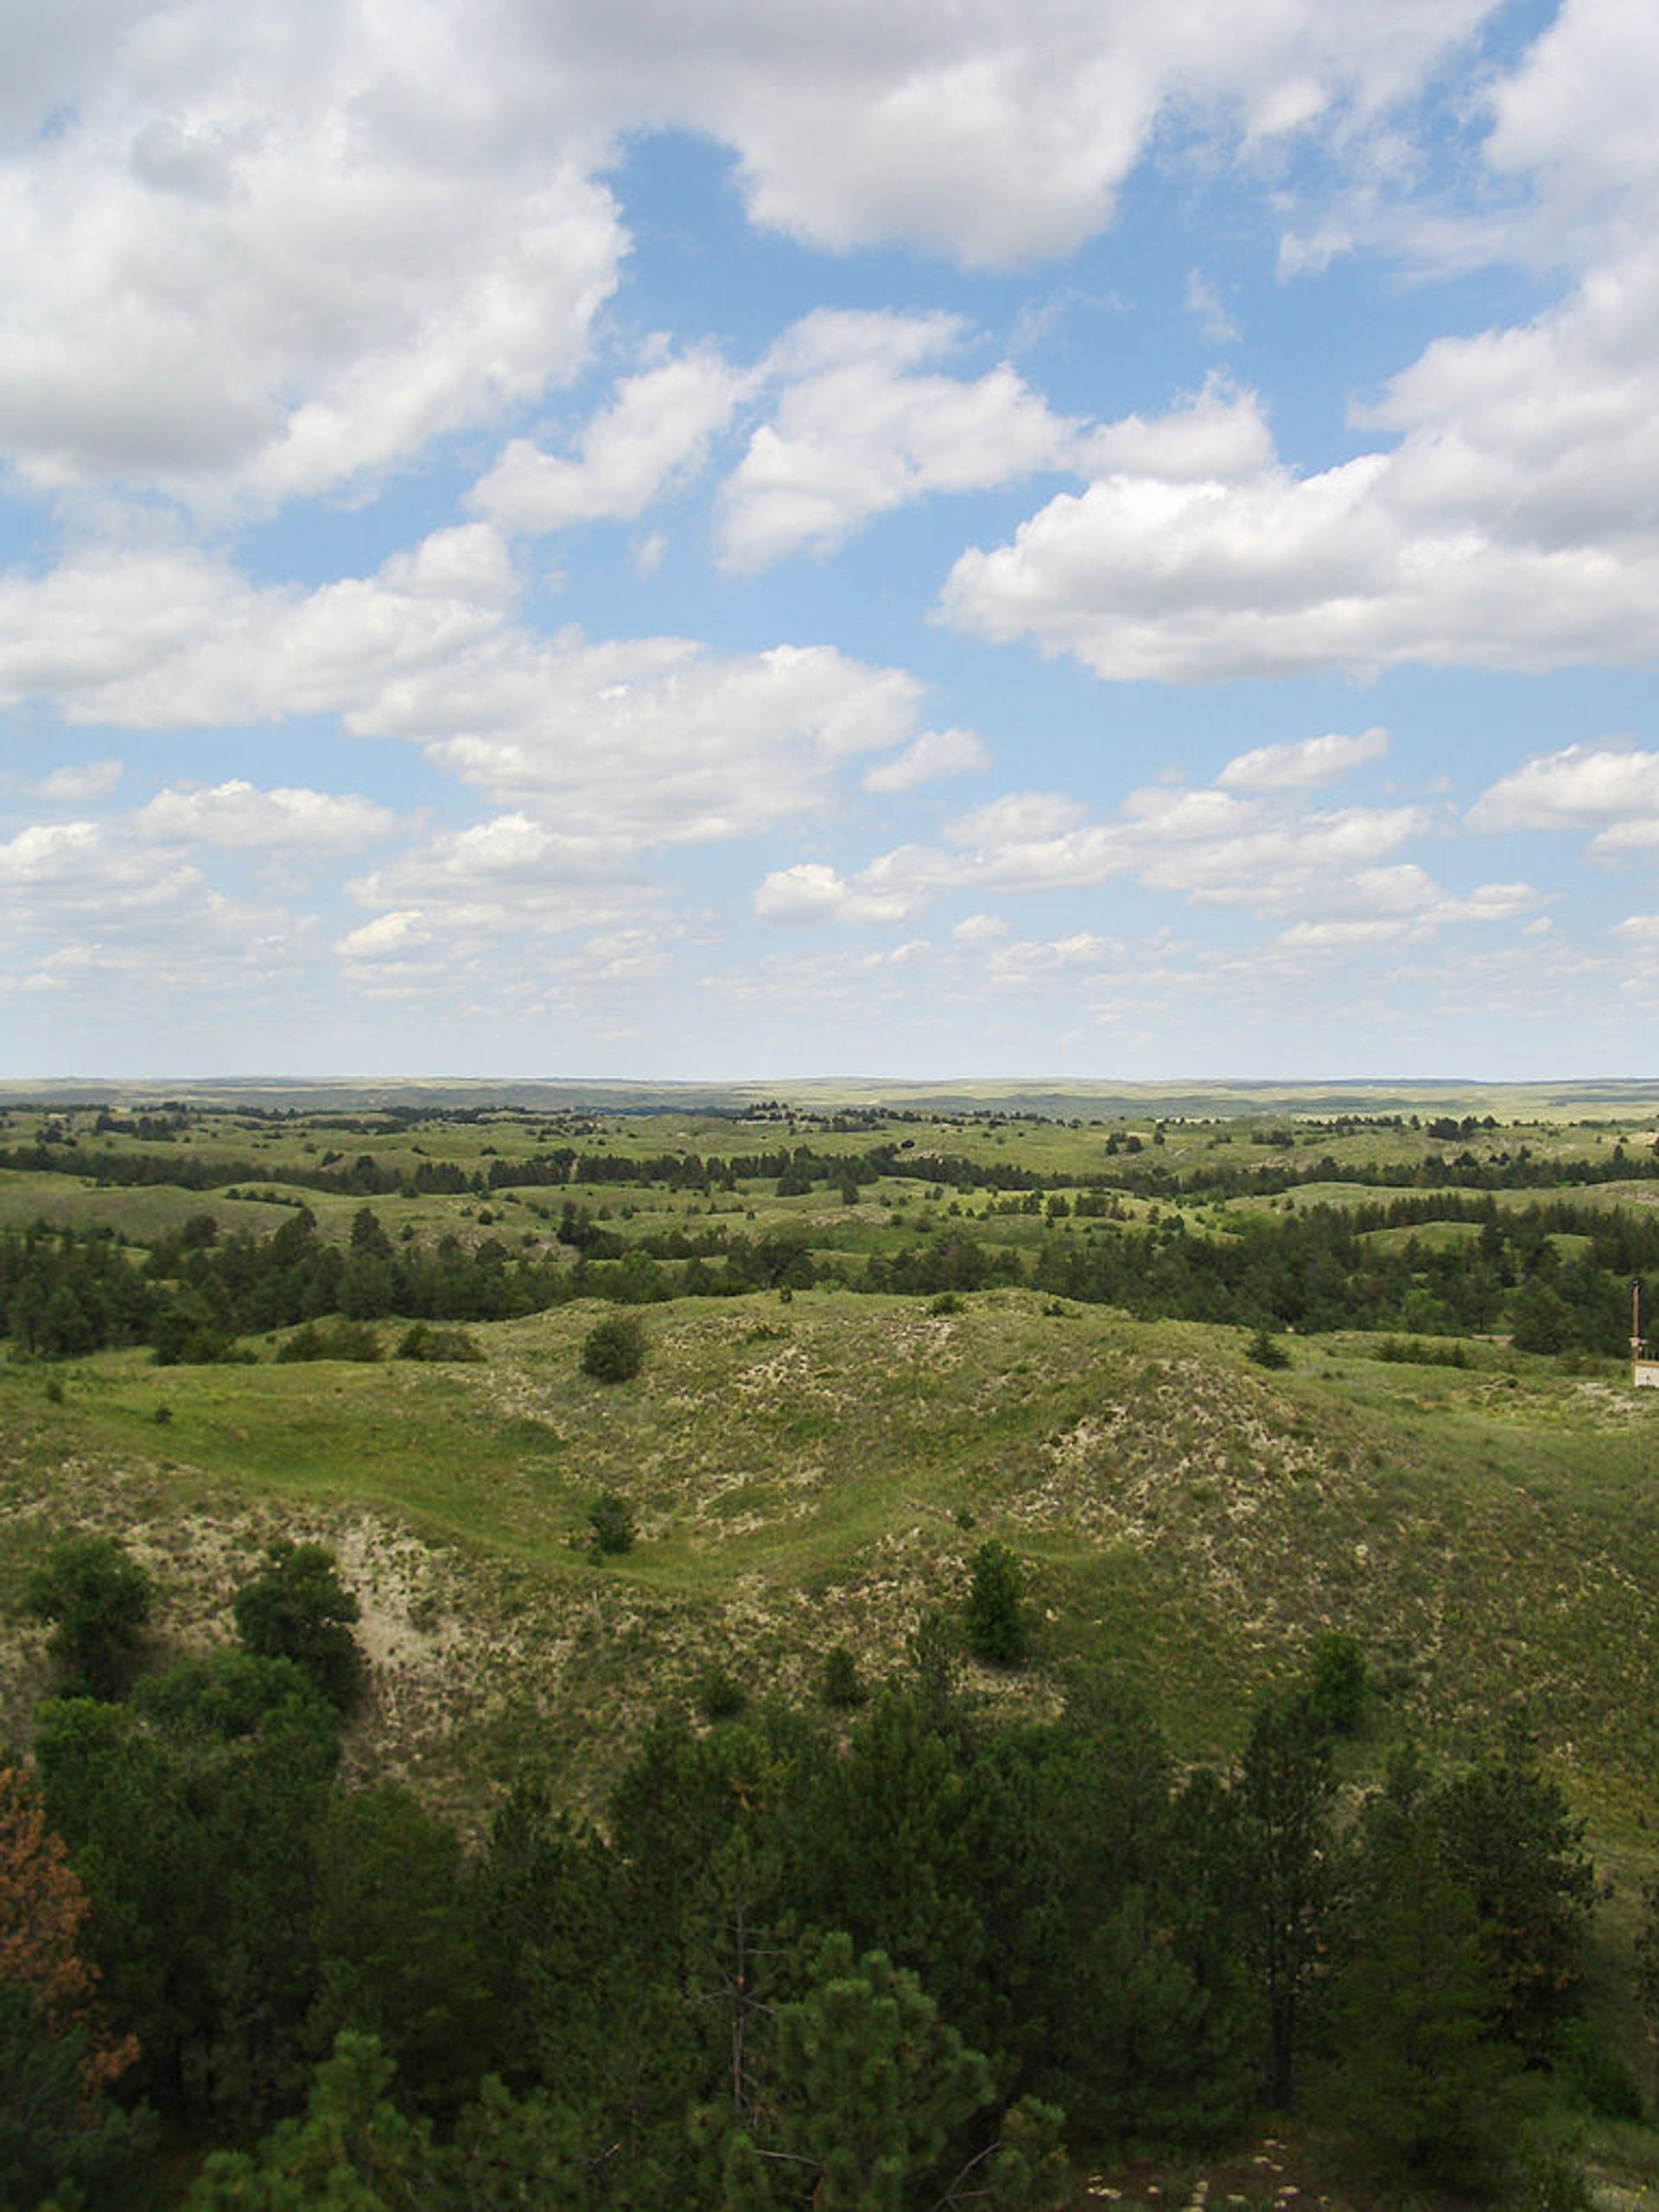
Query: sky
column 743, row 539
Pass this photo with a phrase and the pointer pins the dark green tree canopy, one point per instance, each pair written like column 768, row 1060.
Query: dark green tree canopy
column 297, row 1608
column 99, row 1599
column 614, row 1351
column 993, row 1620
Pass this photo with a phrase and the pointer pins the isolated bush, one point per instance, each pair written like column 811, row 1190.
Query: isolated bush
column 1337, row 1683
column 421, row 1340
column 100, row 1601
column 611, row 1519
column 614, row 1351
column 333, row 1340
column 841, row 1686
column 297, row 1607
column 994, row 1617
column 720, row 1694
column 1266, row 1350
column 1414, row 1352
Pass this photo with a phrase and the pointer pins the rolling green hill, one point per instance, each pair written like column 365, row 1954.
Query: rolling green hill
column 816, row 1472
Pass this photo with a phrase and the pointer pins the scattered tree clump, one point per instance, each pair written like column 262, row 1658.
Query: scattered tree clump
column 614, row 1351
column 424, row 1340
column 99, row 1599
column 354, row 1340
column 297, row 1608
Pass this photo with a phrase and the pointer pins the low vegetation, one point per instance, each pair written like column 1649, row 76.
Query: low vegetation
column 603, row 1531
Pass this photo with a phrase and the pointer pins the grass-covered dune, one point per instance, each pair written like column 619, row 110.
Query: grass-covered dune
column 815, row 1472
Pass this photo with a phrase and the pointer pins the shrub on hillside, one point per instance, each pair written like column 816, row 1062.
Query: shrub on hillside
column 331, row 1340
column 611, row 1519
column 297, row 1607
column 1266, row 1350
column 1337, row 1683
column 994, row 1618
column 722, row 1696
column 841, row 1687
column 422, row 1340
column 614, row 1351
column 99, row 1600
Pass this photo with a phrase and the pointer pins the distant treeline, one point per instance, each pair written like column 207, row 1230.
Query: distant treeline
column 1126, row 1164
column 194, row 1292
column 365, row 1177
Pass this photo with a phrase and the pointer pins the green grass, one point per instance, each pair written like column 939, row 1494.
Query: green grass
column 68, row 1201
column 819, row 1473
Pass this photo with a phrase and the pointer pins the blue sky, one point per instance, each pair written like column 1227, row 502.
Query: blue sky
column 740, row 541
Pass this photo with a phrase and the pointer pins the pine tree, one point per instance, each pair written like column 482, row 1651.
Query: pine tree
column 994, row 1619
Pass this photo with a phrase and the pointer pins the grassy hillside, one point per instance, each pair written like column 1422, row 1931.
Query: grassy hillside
column 818, row 1473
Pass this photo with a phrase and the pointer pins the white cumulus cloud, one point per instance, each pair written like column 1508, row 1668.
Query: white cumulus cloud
column 261, row 254
column 1612, row 792
column 859, row 429
column 91, row 779
column 936, row 752
column 238, row 816
column 656, row 433
column 1303, row 763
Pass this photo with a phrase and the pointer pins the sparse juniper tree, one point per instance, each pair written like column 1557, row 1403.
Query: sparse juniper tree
column 297, row 1607
column 614, row 1351
column 993, row 1620
column 1266, row 1350
column 611, row 1519
column 840, row 1683
column 99, row 1600
column 1337, row 1683
column 934, row 1650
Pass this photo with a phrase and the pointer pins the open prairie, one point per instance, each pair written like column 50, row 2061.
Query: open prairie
column 1234, row 1379
column 811, row 1462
